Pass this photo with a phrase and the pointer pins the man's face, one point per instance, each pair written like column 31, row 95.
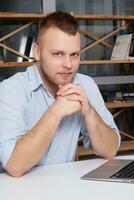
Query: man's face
column 59, row 56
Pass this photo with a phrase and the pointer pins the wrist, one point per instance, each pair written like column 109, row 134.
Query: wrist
column 88, row 112
column 56, row 112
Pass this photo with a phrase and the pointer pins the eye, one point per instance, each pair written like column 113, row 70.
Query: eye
column 57, row 54
column 75, row 55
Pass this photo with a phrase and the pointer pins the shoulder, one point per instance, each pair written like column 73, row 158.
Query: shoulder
column 15, row 82
column 15, row 88
column 90, row 87
column 85, row 81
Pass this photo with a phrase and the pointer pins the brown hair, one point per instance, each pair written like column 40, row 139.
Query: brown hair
column 62, row 20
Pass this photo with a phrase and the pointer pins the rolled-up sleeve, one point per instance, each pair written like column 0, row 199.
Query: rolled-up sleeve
column 12, row 118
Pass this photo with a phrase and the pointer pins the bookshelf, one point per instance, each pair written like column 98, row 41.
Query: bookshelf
column 30, row 19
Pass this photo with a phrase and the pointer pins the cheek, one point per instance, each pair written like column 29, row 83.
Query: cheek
column 52, row 61
column 76, row 64
column 49, row 68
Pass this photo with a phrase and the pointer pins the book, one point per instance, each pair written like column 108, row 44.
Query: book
column 124, row 97
column 122, row 47
column 118, row 98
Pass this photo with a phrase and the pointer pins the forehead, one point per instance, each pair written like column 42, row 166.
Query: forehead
column 57, row 39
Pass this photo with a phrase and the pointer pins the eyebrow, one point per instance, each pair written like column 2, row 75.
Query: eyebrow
column 60, row 51
column 76, row 52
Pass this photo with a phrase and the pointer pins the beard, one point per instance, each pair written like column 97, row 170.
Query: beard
column 52, row 82
column 57, row 78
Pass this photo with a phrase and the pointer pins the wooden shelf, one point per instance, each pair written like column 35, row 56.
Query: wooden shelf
column 104, row 17
column 15, row 64
column 127, row 145
column 36, row 16
column 20, row 16
column 100, row 62
column 110, row 105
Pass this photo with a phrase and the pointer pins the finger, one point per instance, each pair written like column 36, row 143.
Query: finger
column 70, row 89
column 64, row 87
column 74, row 97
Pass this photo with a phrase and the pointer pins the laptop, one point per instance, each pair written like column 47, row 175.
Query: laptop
column 119, row 170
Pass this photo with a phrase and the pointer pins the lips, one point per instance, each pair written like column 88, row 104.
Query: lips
column 65, row 74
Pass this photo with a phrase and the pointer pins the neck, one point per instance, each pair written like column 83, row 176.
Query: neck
column 52, row 90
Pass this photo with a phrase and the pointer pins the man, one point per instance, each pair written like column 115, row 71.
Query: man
column 43, row 110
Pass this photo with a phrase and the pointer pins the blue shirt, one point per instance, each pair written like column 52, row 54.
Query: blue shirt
column 23, row 101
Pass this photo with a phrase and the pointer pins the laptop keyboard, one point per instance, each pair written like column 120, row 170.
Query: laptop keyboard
column 125, row 172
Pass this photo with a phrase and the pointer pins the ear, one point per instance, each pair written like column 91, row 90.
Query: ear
column 36, row 51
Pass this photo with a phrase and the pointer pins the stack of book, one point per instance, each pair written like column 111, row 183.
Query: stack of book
column 124, row 97
column 128, row 96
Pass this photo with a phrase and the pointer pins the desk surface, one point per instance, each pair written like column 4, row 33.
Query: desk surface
column 62, row 182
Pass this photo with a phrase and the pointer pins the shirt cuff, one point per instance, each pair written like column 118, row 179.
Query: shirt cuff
column 6, row 150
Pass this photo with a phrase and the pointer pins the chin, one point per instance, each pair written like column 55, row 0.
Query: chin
column 65, row 82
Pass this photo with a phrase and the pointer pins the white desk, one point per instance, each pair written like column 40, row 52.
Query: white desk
column 62, row 182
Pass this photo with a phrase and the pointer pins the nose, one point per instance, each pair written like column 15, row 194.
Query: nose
column 68, row 63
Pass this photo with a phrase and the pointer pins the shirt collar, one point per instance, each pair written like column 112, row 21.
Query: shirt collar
column 34, row 77
column 76, row 79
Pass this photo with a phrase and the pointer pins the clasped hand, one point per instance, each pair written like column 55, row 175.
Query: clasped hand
column 72, row 98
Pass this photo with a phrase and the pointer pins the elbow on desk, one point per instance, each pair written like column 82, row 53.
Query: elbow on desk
column 110, row 156
column 14, row 171
column 110, row 153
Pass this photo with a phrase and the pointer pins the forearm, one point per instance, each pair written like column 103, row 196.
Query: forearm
column 103, row 138
column 31, row 147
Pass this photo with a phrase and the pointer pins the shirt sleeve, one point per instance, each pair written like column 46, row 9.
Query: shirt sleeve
column 12, row 118
column 97, row 102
